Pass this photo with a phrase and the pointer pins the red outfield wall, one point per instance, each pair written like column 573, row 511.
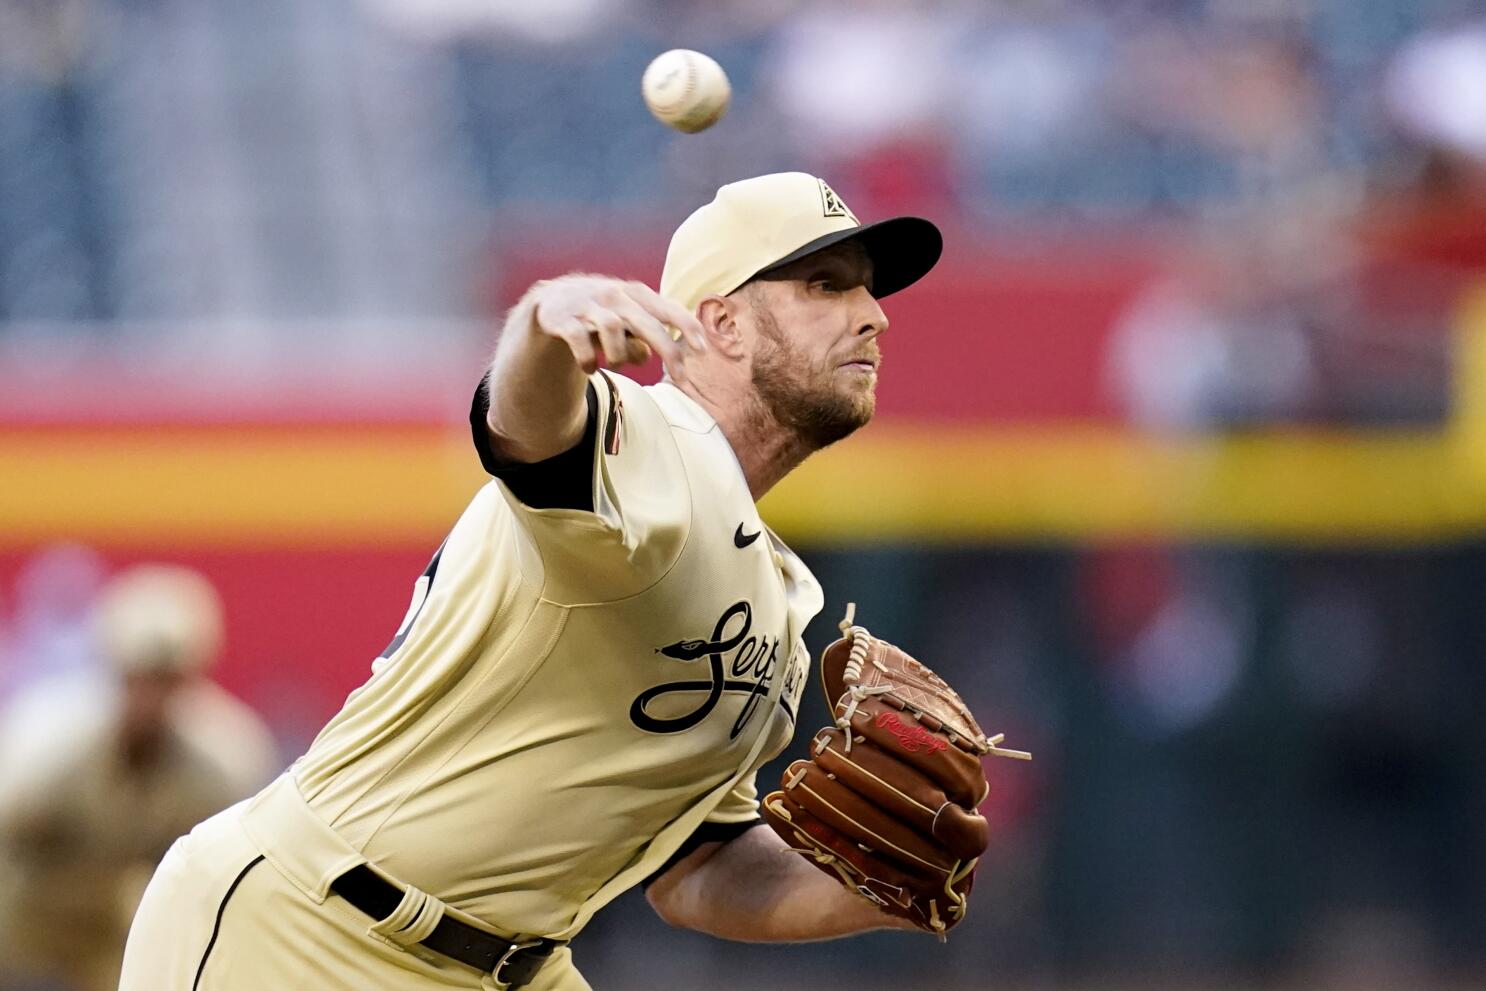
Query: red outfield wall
column 315, row 504
column 303, row 624
column 314, row 519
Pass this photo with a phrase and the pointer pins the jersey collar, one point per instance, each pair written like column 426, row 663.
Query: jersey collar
column 681, row 410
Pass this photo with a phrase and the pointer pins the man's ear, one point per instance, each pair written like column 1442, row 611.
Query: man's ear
column 718, row 318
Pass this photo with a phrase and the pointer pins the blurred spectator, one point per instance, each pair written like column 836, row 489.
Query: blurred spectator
column 1221, row 338
column 43, row 41
column 1031, row 112
column 1284, row 314
column 98, row 779
column 1436, row 89
column 1233, row 112
column 863, row 91
column 550, row 22
column 1432, row 215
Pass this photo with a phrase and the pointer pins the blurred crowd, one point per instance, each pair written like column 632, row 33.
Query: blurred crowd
column 355, row 158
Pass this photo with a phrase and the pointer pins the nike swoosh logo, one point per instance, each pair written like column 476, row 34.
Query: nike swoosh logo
column 741, row 539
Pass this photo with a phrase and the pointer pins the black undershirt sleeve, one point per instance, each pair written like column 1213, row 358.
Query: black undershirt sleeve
column 707, row 832
column 563, row 481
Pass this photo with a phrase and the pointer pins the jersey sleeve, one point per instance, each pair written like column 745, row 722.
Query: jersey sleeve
column 609, row 516
column 740, row 805
column 735, row 815
column 563, row 481
column 707, row 832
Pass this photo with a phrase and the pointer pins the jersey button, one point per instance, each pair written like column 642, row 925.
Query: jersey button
column 779, row 560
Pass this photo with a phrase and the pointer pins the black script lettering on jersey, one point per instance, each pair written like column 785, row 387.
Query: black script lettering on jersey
column 749, row 671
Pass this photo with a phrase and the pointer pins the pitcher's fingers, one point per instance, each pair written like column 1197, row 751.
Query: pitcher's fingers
column 669, row 313
column 647, row 328
column 578, row 336
column 611, row 336
column 650, row 330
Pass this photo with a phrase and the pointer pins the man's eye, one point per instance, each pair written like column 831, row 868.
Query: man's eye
column 828, row 285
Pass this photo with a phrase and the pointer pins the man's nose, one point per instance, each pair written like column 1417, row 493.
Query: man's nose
column 867, row 312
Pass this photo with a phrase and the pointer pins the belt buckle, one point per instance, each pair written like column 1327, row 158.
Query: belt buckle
column 505, row 958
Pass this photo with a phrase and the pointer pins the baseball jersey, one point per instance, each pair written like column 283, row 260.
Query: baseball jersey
column 574, row 691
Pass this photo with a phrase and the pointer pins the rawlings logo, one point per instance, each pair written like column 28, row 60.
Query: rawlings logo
column 911, row 738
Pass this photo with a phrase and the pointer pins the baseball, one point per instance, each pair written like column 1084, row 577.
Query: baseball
column 686, row 89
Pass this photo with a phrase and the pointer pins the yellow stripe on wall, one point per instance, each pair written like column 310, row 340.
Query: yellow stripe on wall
column 1098, row 484
column 1468, row 426
column 339, row 486
column 235, row 486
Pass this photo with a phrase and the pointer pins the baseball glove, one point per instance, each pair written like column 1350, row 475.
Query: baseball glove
column 887, row 801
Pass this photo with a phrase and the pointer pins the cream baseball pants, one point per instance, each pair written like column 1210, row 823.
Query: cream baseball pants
column 234, row 906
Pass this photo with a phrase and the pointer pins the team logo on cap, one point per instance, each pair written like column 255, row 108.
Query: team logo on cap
column 832, row 205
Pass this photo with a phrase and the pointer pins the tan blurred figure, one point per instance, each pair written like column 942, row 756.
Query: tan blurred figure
column 97, row 782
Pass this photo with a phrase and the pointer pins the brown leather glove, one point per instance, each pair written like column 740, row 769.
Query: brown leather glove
column 887, row 802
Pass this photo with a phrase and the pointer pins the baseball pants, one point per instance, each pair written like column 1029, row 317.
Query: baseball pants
column 219, row 915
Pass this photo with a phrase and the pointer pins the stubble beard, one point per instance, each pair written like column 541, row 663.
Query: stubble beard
column 817, row 413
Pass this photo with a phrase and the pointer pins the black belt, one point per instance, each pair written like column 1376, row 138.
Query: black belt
column 512, row 964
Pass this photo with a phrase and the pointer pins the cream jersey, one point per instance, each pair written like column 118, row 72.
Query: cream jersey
column 573, row 693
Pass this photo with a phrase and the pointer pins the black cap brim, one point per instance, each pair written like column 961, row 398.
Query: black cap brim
column 902, row 249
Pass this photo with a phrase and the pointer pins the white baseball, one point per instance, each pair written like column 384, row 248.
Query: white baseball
column 686, row 89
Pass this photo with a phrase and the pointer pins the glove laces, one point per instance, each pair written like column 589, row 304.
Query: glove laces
column 856, row 693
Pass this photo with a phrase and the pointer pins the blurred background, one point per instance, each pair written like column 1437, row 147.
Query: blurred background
column 1180, row 462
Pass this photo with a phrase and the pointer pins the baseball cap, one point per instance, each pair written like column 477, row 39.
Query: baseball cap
column 759, row 224
column 159, row 617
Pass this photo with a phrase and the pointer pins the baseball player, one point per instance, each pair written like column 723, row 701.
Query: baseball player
column 98, row 778
column 598, row 658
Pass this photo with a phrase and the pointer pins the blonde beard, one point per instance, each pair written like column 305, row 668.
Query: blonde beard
column 817, row 417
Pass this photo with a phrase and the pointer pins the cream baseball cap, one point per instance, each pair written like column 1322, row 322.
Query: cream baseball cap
column 759, row 224
column 155, row 617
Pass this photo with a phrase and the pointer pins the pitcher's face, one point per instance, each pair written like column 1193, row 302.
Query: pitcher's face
column 815, row 325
